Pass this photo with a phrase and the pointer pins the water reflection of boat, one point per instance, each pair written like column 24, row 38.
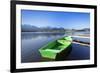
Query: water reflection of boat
column 52, row 49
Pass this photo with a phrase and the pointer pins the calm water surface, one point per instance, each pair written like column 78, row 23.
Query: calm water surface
column 31, row 43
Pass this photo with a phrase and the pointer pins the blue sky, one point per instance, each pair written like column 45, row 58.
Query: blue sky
column 68, row 20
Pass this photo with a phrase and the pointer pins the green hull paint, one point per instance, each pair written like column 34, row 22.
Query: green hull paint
column 53, row 48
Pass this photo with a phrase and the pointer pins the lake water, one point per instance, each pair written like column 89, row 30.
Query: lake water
column 31, row 43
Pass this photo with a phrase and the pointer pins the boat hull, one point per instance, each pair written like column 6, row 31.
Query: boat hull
column 53, row 49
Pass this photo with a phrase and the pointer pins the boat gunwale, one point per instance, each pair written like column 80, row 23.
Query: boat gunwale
column 42, row 48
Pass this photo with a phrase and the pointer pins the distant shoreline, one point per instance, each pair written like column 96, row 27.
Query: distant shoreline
column 44, row 32
column 79, row 35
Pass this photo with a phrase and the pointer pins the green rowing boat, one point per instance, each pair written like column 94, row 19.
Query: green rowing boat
column 53, row 48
